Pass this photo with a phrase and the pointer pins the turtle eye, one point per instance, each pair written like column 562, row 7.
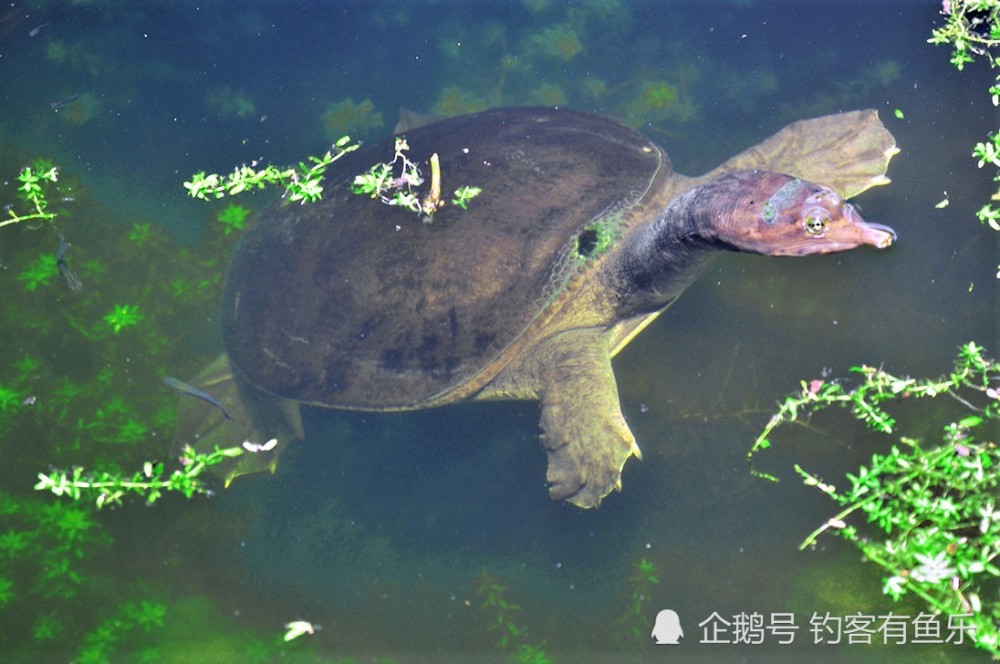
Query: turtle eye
column 815, row 224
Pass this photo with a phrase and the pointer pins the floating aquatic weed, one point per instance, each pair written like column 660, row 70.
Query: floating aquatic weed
column 302, row 185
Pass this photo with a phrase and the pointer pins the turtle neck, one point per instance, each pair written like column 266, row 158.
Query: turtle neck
column 662, row 259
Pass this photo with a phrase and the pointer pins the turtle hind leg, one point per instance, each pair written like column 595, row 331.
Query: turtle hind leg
column 584, row 433
column 255, row 418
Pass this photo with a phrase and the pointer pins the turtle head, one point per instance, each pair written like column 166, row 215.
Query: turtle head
column 780, row 215
column 760, row 212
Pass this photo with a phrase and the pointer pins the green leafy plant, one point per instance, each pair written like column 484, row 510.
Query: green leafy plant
column 503, row 620
column 972, row 28
column 492, row 594
column 43, row 552
column 936, row 508
column 40, row 272
column 465, row 194
column 233, row 217
column 303, row 184
column 635, row 619
column 140, row 233
column 103, row 641
column 122, row 316
column 396, row 182
column 9, row 399
column 530, row 654
column 34, row 181
column 108, row 488
column 76, row 394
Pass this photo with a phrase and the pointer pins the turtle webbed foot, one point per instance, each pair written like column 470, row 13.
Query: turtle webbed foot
column 586, row 461
column 247, row 418
column 584, row 433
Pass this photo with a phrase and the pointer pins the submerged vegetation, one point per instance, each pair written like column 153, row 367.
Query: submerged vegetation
column 636, row 620
column 83, row 409
column 503, row 618
column 349, row 118
column 69, row 396
column 931, row 511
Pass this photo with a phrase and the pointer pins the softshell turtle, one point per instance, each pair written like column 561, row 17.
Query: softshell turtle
column 582, row 235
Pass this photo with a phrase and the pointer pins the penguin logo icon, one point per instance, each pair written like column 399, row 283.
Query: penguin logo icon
column 667, row 628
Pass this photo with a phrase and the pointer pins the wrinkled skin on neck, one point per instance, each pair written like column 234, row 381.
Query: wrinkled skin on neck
column 758, row 212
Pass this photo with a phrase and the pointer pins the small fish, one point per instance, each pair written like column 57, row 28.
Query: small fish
column 192, row 391
column 56, row 105
column 65, row 271
column 38, row 28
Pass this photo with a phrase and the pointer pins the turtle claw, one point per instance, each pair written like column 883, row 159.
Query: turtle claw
column 586, row 468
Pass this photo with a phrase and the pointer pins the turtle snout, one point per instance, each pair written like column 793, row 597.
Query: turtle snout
column 876, row 235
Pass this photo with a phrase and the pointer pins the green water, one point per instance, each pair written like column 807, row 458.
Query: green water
column 380, row 527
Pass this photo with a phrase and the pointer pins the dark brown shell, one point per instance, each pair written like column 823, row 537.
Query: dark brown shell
column 355, row 304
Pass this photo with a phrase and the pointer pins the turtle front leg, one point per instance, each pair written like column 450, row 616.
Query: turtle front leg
column 584, row 432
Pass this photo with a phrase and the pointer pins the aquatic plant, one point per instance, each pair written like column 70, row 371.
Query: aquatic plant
column 227, row 102
column 501, row 617
column 454, row 100
column 233, row 217
column 936, row 506
column 9, row 399
column 303, row 184
column 635, row 618
column 128, row 619
column 656, row 96
column 537, row 6
column 139, row 234
column 123, row 316
column 79, row 110
column 40, row 272
column 347, row 117
column 529, row 654
column 43, row 548
column 109, row 487
column 549, row 95
column 87, row 397
column 395, row 182
column 465, row 194
column 34, row 180
column 660, row 100
column 972, row 29
column 492, row 594
column 560, row 41
column 56, row 51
